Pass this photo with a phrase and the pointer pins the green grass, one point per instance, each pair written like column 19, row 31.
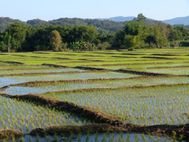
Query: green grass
column 99, row 58
column 9, row 71
column 144, row 106
column 136, row 99
column 43, row 87
column 65, row 76
column 25, row 116
column 174, row 71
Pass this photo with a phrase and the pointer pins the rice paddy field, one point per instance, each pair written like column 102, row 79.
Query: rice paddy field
column 100, row 96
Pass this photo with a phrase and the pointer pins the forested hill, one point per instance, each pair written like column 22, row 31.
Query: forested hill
column 122, row 19
column 5, row 22
column 102, row 24
column 82, row 35
column 107, row 25
column 112, row 24
column 178, row 21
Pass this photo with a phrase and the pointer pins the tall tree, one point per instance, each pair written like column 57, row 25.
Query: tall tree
column 55, row 41
column 6, row 42
column 15, row 35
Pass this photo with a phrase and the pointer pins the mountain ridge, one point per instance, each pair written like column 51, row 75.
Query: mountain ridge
column 121, row 18
column 109, row 24
column 172, row 21
column 178, row 21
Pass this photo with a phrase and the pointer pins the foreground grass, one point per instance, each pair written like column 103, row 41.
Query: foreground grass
column 22, row 116
column 144, row 106
column 133, row 96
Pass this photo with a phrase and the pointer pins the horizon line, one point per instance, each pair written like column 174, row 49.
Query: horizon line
column 93, row 18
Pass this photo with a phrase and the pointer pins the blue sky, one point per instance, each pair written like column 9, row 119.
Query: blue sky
column 53, row 9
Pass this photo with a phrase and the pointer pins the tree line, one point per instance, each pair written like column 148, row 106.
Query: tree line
column 139, row 33
column 146, row 33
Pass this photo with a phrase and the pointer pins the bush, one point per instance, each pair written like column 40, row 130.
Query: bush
column 174, row 44
column 3, row 47
column 103, row 46
column 184, row 43
column 82, row 46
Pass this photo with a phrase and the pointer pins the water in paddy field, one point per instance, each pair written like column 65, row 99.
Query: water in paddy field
column 19, row 90
column 24, row 90
column 7, row 81
column 55, row 77
column 104, row 137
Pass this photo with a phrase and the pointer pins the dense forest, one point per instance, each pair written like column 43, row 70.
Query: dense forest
column 106, row 24
column 86, row 35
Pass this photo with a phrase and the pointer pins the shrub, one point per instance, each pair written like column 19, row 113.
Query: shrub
column 82, row 46
column 184, row 43
column 103, row 46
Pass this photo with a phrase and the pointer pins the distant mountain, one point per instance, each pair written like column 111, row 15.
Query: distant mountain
column 5, row 22
column 36, row 22
column 109, row 24
column 103, row 24
column 121, row 19
column 99, row 23
column 178, row 21
column 149, row 21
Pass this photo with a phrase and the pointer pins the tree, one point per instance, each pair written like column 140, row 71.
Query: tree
column 6, row 43
column 55, row 41
column 15, row 35
column 151, row 40
column 139, row 33
column 103, row 46
column 82, row 46
column 82, row 33
column 142, row 33
column 118, row 41
column 161, row 39
column 141, row 17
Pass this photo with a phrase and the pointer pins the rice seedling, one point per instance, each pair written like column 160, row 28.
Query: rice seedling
column 55, row 77
column 44, row 87
column 22, row 116
column 23, row 71
column 176, row 71
column 144, row 106
column 136, row 99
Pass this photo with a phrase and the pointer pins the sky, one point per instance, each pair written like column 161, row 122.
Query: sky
column 54, row 9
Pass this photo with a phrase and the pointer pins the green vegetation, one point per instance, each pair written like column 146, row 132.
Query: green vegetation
column 85, row 94
column 78, row 86
column 144, row 106
column 138, row 33
column 145, row 33
column 24, row 116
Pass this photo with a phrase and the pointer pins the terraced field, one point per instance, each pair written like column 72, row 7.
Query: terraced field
column 142, row 106
column 140, row 95
column 27, row 116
